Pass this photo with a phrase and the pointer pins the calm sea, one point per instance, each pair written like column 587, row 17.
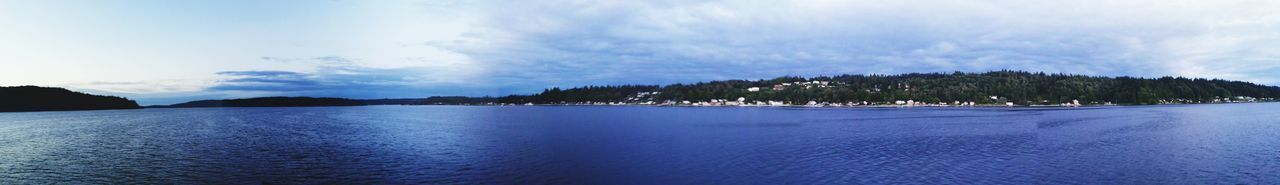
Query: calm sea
column 1185, row 144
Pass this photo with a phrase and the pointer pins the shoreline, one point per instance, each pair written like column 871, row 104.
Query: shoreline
column 870, row 106
column 754, row 106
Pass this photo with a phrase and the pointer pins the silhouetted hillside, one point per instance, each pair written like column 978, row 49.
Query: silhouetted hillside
column 396, row 101
column 201, row 103
column 434, row 100
column 309, row 101
column 271, row 102
column 32, row 98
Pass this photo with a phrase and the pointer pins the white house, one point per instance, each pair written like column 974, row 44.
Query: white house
column 753, row 89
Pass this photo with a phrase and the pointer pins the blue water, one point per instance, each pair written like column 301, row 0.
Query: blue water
column 1188, row 144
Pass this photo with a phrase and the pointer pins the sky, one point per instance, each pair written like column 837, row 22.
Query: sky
column 163, row 52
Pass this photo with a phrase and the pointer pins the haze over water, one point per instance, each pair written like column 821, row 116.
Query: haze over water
column 1182, row 144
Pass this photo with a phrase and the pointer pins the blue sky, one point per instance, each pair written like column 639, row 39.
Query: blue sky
column 162, row 52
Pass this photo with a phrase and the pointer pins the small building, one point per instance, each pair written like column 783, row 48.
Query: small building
column 753, row 89
column 777, row 103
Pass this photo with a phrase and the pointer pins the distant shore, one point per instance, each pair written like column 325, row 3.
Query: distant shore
column 724, row 106
column 37, row 99
column 991, row 89
column 887, row 106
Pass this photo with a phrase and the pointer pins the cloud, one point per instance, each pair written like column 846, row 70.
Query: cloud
column 138, row 87
column 345, row 80
column 149, row 92
column 348, row 81
column 324, row 60
column 280, row 81
column 533, row 44
column 261, row 73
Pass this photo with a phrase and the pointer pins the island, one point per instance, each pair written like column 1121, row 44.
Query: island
column 268, row 102
column 330, row 101
column 34, row 98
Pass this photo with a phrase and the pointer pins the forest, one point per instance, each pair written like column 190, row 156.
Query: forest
column 996, row 87
column 33, row 98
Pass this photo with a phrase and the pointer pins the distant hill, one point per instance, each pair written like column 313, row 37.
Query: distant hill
column 311, row 101
column 33, row 98
column 434, row 100
column 200, row 103
column 270, row 102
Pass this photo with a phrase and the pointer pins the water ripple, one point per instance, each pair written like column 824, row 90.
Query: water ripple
column 1205, row 144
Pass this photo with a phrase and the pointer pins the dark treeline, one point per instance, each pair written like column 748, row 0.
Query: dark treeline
column 32, row 98
column 581, row 94
column 312, row 101
column 434, row 100
column 290, row 102
column 271, row 102
column 1019, row 87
